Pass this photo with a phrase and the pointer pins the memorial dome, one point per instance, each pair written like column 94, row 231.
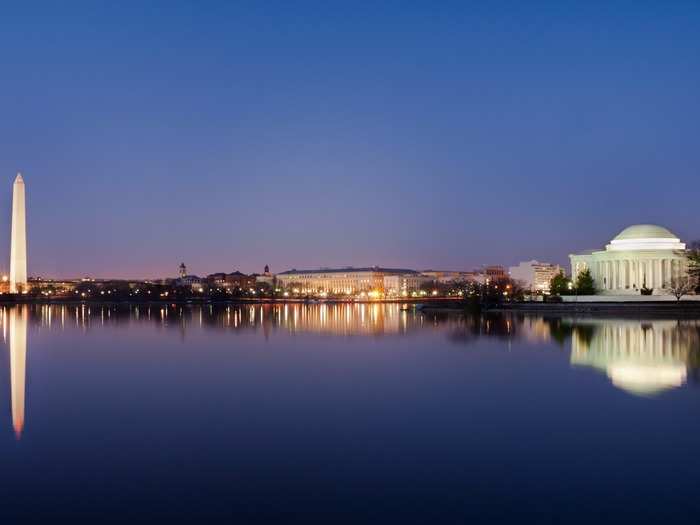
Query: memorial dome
column 645, row 237
column 645, row 231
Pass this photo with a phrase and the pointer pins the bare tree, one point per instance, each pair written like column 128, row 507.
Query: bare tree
column 680, row 286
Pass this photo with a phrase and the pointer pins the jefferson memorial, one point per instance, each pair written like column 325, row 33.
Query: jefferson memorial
column 643, row 255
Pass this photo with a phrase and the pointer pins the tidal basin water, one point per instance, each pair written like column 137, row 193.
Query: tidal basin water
column 346, row 413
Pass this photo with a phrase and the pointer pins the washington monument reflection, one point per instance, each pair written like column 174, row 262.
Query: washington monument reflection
column 18, row 364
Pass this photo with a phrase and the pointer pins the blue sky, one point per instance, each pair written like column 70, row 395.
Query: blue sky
column 231, row 135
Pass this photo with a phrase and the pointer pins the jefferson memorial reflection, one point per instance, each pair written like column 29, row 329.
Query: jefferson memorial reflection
column 641, row 357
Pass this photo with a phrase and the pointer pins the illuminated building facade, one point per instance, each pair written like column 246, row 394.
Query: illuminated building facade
column 495, row 273
column 643, row 255
column 191, row 281
column 339, row 281
column 265, row 278
column 534, row 275
column 231, row 280
column 405, row 284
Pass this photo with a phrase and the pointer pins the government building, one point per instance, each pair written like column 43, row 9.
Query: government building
column 641, row 256
column 347, row 281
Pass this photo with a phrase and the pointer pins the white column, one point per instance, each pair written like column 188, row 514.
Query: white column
column 611, row 281
column 657, row 277
column 633, row 273
column 603, row 275
column 664, row 273
column 612, row 275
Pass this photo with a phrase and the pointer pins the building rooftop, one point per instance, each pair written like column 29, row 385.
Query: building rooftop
column 349, row 270
column 645, row 231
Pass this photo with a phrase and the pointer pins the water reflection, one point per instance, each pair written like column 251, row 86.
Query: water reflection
column 640, row 357
column 325, row 318
column 18, row 362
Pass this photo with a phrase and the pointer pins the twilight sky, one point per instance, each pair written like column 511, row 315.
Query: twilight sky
column 439, row 135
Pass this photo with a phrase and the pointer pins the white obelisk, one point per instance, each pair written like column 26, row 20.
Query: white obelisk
column 18, row 243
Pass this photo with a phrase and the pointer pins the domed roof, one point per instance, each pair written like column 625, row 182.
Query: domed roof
column 647, row 379
column 645, row 231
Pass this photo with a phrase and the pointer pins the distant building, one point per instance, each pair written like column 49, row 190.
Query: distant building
column 447, row 276
column 404, row 284
column 57, row 287
column 239, row 280
column 347, row 281
column 265, row 278
column 231, row 280
column 216, row 279
column 643, row 255
column 495, row 273
column 192, row 281
column 534, row 275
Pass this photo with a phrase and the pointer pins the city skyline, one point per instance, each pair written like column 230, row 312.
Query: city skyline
column 358, row 262
column 418, row 136
column 18, row 256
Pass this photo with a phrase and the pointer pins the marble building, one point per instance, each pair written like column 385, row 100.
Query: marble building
column 643, row 255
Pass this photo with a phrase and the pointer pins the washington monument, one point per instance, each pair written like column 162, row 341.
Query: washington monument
column 18, row 242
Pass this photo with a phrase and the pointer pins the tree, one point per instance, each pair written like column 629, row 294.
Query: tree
column 680, row 286
column 559, row 285
column 584, row 283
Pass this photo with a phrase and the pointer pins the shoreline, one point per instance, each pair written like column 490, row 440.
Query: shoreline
column 631, row 309
column 427, row 305
column 243, row 300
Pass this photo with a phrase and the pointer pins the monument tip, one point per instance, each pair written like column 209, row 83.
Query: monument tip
column 19, row 178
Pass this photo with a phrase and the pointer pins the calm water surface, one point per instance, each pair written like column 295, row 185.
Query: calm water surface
column 347, row 413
